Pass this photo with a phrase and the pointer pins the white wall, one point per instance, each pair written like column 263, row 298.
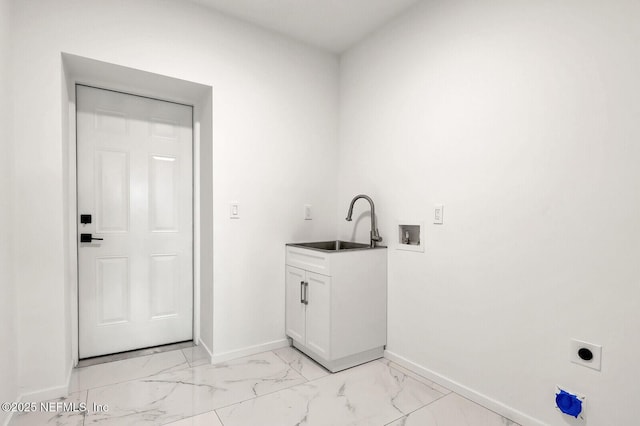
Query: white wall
column 274, row 150
column 8, row 342
column 522, row 119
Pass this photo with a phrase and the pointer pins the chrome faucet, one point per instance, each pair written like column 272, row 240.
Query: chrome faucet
column 375, row 237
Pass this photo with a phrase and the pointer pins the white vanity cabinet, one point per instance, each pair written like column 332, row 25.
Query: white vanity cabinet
column 336, row 304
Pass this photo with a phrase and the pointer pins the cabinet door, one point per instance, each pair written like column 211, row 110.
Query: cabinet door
column 294, row 308
column 318, row 314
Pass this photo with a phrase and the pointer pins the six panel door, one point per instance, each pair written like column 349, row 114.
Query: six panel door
column 135, row 179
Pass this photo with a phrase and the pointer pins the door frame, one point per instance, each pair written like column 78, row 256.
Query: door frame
column 180, row 108
column 79, row 70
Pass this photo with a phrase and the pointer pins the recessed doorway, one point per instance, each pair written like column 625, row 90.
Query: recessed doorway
column 135, row 221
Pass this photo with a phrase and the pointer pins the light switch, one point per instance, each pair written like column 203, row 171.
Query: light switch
column 234, row 210
column 438, row 211
column 307, row 212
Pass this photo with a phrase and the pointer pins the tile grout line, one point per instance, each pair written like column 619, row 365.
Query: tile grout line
column 420, row 408
column 409, row 373
column 284, row 360
column 288, row 365
column 218, row 416
column 86, row 401
column 305, row 357
column 184, row 356
column 306, row 381
column 131, row 380
column 488, row 409
column 139, row 378
column 199, row 362
column 248, row 399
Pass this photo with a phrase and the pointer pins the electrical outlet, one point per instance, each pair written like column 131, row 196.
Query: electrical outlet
column 585, row 354
column 307, row 212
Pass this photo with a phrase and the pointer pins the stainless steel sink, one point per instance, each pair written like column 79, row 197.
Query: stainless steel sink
column 335, row 245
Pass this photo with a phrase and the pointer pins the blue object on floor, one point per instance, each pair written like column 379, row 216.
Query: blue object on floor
column 568, row 403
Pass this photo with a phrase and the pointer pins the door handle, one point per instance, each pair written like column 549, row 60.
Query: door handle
column 87, row 238
column 306, row 293
column 301, row 291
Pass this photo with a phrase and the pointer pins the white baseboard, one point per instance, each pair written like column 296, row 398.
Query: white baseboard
column 47, row 394
column 249, row 350
column 206, row 348
column 475, row 396
column 70, row 373
column 44, row 394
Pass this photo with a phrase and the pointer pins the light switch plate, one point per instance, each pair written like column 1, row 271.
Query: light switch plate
column 234, row 210
column 307, row 212
column 438, row 213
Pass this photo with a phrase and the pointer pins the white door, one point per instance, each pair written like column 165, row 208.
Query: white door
column 134, row 164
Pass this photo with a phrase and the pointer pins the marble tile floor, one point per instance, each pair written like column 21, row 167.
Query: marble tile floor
column 279, row 388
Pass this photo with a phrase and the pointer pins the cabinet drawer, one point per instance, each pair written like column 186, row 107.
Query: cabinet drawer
column 310, row 260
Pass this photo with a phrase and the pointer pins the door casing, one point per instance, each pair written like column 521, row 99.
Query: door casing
column 80, row 70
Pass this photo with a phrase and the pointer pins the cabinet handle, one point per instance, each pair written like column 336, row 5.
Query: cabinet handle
column 306, row 293
column 301, row 291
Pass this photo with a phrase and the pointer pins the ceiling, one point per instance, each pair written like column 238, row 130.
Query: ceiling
column 334, row 25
